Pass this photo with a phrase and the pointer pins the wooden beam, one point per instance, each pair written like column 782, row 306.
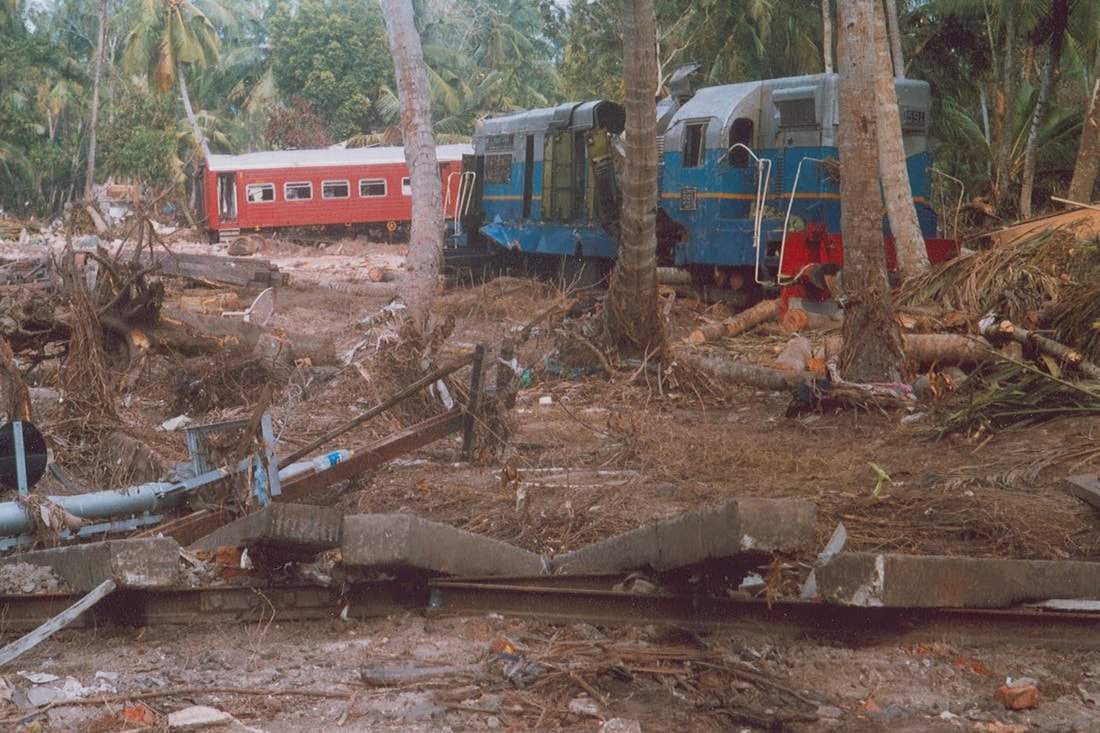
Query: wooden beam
column 55, row 624
column 377, row 453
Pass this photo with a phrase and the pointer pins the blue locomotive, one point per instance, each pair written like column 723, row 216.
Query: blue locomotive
column 748, row 184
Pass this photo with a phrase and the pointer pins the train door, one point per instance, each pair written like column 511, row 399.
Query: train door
column 227, row 198
column 528, row 175
column 558, row 185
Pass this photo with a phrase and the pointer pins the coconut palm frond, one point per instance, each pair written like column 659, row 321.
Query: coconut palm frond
column 1007, row 393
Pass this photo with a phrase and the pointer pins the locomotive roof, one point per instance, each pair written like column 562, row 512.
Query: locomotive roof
column 322, row 157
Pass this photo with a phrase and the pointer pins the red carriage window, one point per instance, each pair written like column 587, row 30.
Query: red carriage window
column 372, row 187
column 259, row 192
column 406, row 187
column 335, row 189
column 298, row 191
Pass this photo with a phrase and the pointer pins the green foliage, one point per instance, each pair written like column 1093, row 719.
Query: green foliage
column 139, row 138
column 296, row 126
column 333, row 54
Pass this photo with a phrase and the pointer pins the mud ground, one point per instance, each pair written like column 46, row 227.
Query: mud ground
column 585, row 457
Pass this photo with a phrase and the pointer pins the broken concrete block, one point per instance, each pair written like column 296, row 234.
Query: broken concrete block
column 204, row 718
column 403, row 540
column 151, row 562
column 913, row 581
column 738, row 526
column 298, row 529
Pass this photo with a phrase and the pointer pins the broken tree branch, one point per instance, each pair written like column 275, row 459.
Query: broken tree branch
column 998, row 330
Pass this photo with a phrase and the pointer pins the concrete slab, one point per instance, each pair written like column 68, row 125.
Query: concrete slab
column 404, row 540
column 151, row 562
column 738, row 526
column 297, row 529
column 912, row 581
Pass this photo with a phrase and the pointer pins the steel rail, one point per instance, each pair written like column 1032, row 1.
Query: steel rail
column 563, row 599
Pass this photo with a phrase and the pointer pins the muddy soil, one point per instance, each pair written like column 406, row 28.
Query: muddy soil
column 580, row 458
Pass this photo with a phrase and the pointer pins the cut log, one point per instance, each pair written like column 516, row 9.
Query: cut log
column 932, row 348
column 381, row 275
column 744, row 321
column 673, row 276
column 795, row 355
column 243, row 271
column 1000, row 330
column 193, row 333
column 796, row 320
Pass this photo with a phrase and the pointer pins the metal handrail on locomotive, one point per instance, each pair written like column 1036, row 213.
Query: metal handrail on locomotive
column 748, row 180
column 355, row 188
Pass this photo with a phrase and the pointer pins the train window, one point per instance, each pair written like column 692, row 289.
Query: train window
column 406, row 186
column 372, row 187
column 259, row 192
column 797, row 106
column 741, row 132
column 298, row 191
column 335, row 189
column 498, row 168
column 694, row 137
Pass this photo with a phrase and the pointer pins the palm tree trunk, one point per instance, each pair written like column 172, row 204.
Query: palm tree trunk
column 1004, row 126
column 827, row 35
column 904, row 226
column 632, row 319
column 186, row 96
column 422, row 264
column 1059, row 17
column 97, row 77
column 872, row 350
column 895, row 38
column 1088, row 153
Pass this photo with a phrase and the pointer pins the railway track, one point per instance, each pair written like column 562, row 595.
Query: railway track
column 564, row 599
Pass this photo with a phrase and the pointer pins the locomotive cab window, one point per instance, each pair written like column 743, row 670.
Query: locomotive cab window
column 695, row 134
column 406, row 186
column 797, row 106
column 259, row 192
column 335, row 190
column 370, row 188
column 741, row 133
column 298, row 191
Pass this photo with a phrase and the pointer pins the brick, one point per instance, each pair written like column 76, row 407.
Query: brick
column 295, row 529
column 933, row 581
column 1018, row 698
column 151, row 562
column 739, row 526
column 403, row 540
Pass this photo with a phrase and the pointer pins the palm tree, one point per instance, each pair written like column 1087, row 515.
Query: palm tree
column 422, row 264
column 872, row 349
column 1055, row 27
column 1085, row 40
column 171, row 36
column 632, row 318
column 904, row 226
column 1088, row 153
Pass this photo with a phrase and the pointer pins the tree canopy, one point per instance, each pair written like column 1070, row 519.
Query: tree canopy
column 1012, row 80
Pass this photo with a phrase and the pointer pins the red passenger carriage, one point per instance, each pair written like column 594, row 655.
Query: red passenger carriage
column 350, row 187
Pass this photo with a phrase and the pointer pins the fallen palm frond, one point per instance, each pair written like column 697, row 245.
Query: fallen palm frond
column 1015, row 280
column 1008, row 393
column 1075, row 319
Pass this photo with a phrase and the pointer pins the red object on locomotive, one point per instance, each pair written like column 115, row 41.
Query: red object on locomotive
column 353, row 187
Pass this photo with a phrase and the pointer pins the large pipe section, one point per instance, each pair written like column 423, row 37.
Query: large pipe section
column 155, row 497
